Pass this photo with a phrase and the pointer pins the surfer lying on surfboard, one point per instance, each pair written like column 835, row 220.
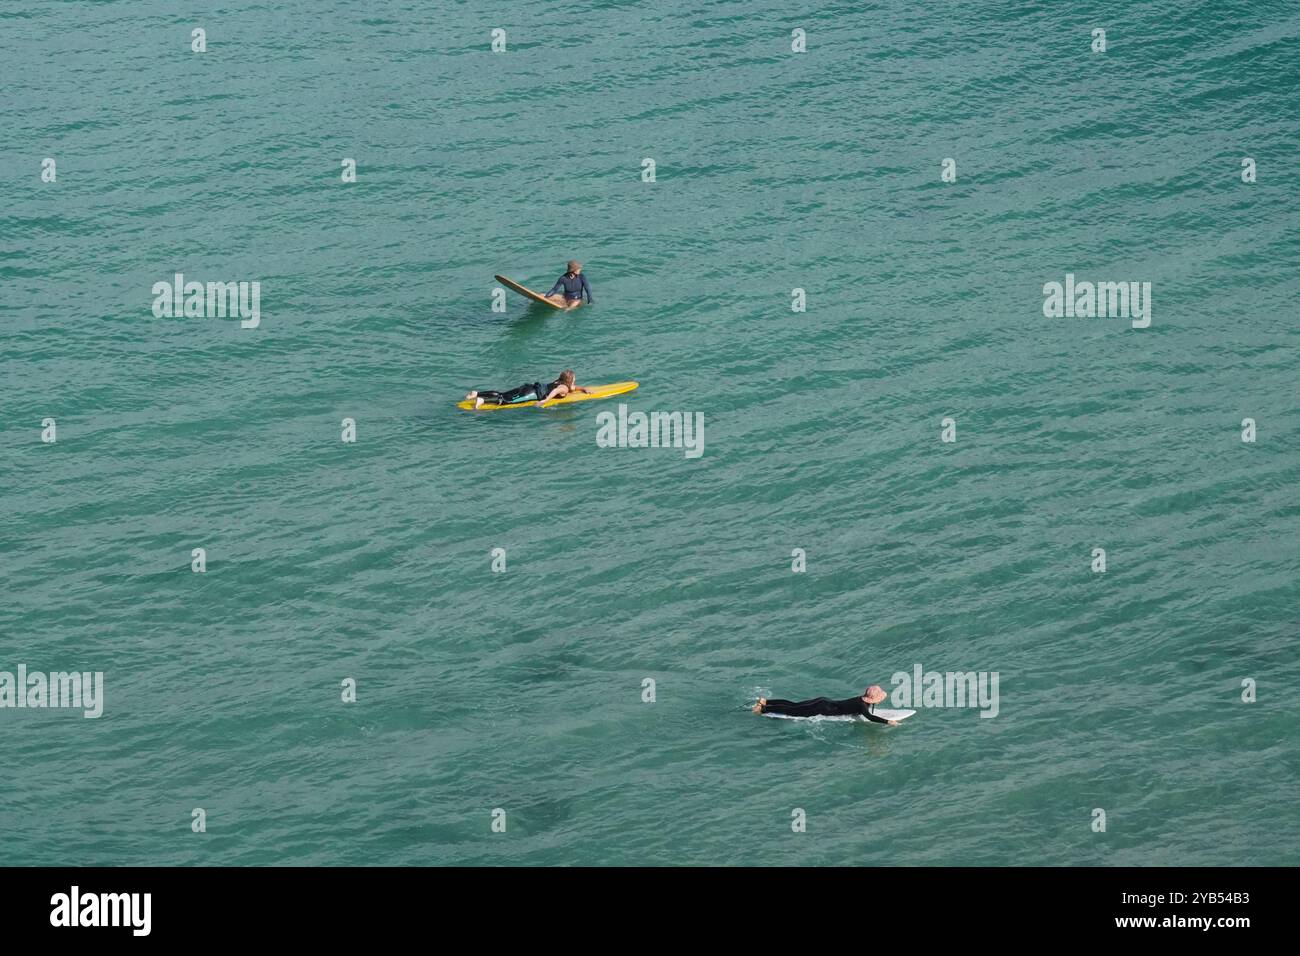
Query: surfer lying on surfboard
column 574, row 284
column 823, row 707
column 533, row 392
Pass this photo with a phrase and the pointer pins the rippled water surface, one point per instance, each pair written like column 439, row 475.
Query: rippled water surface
column 523, row 690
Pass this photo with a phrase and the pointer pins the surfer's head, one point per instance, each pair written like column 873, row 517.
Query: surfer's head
column 566, row 378
column 575, row 266
column 874, row 694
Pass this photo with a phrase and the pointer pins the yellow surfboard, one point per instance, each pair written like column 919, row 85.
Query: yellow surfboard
column 525, row 291
column 597, row 391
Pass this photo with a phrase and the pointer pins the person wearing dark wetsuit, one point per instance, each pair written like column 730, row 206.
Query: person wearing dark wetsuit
column 532, row 392
column 524, row 393
column 574, row 284
column 863, row 706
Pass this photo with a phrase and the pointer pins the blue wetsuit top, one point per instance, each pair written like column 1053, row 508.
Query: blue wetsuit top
column 573, row 286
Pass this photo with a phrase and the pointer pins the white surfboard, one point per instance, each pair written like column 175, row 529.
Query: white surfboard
column 888, row 714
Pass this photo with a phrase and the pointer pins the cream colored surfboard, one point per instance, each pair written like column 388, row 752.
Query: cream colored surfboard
column 527, row 292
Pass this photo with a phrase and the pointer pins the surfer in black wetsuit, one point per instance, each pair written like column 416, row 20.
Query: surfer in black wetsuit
column 532, row 392
column 863, row 706
column 574, row 284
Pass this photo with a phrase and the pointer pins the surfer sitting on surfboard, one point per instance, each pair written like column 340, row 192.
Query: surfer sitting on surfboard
column 822, row 707
column 574, row 284
column 534, row 392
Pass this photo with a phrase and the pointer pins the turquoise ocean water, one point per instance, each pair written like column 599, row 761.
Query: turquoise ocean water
column 522, row 691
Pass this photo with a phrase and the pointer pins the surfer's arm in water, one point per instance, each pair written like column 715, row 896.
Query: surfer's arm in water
column 867, row 712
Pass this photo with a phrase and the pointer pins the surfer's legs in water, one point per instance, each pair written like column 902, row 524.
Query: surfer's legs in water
column 556, row 299
column 794, row 708
column 524, row 393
